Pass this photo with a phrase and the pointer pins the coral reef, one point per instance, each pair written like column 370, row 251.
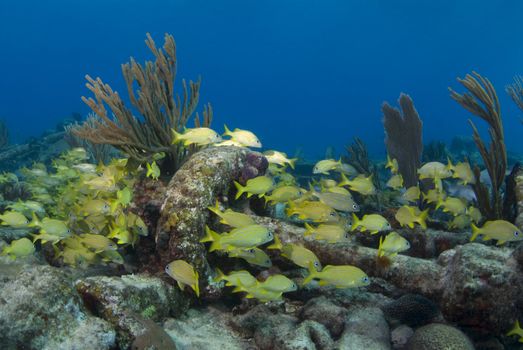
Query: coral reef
column 519, row 199
column 205, row 176
column 482, row 101
column 403, row 137
column 437, row 336
column 157, row 102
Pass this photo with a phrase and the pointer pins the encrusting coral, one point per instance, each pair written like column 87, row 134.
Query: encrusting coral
column 158, row 104
column 403, row 137
column 482, row 101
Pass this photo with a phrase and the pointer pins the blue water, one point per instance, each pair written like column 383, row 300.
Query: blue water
column 301, row 74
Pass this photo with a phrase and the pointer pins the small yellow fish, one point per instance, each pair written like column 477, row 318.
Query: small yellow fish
column 328, row 183
column 328, row 232
column 259, row 185
column 254, row 256
column 262, row 294
column 231, row 217
column 298, row 254
column 153, row 171
column 93, row 207
column 392, row 245
column 19, row 248
column 50, row 226
column 343, row 276
column 196, row 136
column 462, row 171
column 475, row 214
column 434, row 170
column 433, row 196
column 105, row 183
column 112, row 256
column 412, row 194
column 392, row 164
column 325, row 166
column 226, row 143
column 315, row 211
column 339, row 190
column 241, row 237
column 279, row 284
column 361, row 184
column 98, row 243
column 123, row 198
column 395, row 182
column 284, row 194
column 136, row 224
column 236, row 278
column 516, row 330
column 244, row 137
column 338, row 201
column 500, row 230
column 373, row 223
column 279, row 158
column 408, row 215
column 460, row 222
column 14, row 219
column 184, row 274
column 453, row 205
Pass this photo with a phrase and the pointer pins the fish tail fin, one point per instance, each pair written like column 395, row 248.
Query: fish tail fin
column 227, row 131
column 292, row 162
column 220, row 276
column 312, row 274
column 196, row 285
column 239, row 188
column 34, row 221
column 309, row 230
column 475, row 232
column 215, row 245
column 380, row 247
column 423, row 218
column 449, row 166
column 439, row 203
column 149, row 170
column 344, row 181
column 177, row 137
column 516, row 330
column 216, row 209
column 355, row 222
column 290, row 210
column 277, row 243
column 210, row 235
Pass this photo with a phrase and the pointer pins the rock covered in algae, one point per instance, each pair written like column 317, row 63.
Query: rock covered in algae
column 206, row 175
column 132, row 303
column 411, row 309
column 327, row 313
column 40, row 309
column 365, row 328
column 436, row 336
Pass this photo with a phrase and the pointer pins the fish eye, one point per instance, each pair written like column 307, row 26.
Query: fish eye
column 251, row 250
column 317, row 263
column 516, row 233
column 365, row 279
column 332, row 213
column 354, row 206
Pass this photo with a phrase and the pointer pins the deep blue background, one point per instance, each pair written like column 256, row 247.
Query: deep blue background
column 301, row 73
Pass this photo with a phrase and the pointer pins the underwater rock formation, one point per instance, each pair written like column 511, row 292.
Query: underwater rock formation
column 482, row 101
column 469, row 282
column 438, row 336
column 155, row 99
column 40, row 309
column 519, row 199
column 196, row 186
column 404, row 138
column 131, row 303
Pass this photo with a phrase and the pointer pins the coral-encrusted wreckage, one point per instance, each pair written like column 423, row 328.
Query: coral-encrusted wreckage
column 157, row 205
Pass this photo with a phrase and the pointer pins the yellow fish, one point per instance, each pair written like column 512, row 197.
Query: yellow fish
column 412, row 194
column 434, row 170
column 52, row 227
column 232, row 218
column 462, row 171
column 500, row 230
column 433, row 196
column 392, row 164
column 284, row 194
column 338, row 201
column 236, row 278
column 123, row 198
column 328, row 232
column 343, row 276
column 279, row 284
column 153, row 170
column 14, row 219
column 259, row 185
column 93, row 207
column 395, row 182
column 98, row 243
column 315, row 211
column 259, row 293
column 453, row 205
column 244, row 137
column 475, row 214
column 19, row 248
column 254, row 256
column 298, row 254
column 184, row 274
column 516, row 330
column 279, row 158
column 407, row 216
column 360, row 184
column 226, row 143
column 325, row 166
column 460, row 222
column 196, row 136
column 242, row 237
column 136, row 224
column 392, row 245
column 373, row 223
